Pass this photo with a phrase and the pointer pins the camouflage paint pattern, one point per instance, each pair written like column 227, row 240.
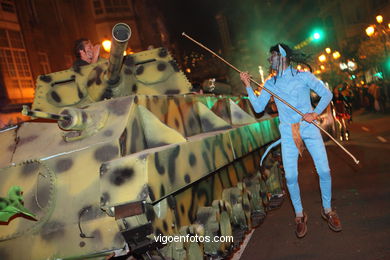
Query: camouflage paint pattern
column 141, row 153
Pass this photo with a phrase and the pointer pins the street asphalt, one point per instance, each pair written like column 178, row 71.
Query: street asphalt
column 361, row 197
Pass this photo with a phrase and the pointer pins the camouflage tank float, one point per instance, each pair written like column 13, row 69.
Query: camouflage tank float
column 121, row 154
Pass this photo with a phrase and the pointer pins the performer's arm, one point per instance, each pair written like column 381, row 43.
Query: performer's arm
column 258, row 102
column 319, row 87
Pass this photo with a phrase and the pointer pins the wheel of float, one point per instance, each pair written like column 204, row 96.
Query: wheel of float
column 246, row 205
column 225, row 227
column 258, row 212
column 233, row 196
column 238, row 220
column 174, row 250
column 192, row 230
column 263, row 191
column 208, row 217
column 226, row 231
column 194, row 251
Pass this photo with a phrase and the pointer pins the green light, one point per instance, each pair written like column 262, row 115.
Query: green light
column 378, row 75
column 317, row 35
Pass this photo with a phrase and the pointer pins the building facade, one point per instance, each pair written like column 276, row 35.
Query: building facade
column 15, row 67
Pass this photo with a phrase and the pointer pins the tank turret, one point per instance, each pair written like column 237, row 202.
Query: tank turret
column 151, row 72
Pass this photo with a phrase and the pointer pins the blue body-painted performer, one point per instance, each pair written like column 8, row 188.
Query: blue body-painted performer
column 294, row 87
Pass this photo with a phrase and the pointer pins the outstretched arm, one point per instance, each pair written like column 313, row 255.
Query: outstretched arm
column 258, row 102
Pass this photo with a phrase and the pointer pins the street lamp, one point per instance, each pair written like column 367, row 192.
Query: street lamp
column 343, row 66
column 370, row 30
column 336, row 55
column 351, row 65
column 379, row 18
column 380, row 30
column 106, row 45
column 322, row 58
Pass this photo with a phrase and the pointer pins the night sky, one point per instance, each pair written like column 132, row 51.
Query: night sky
column 254, row 25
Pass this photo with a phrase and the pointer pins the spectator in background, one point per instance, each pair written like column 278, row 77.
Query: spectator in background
column 366, row 98
column 197, row 88
column 374, row 92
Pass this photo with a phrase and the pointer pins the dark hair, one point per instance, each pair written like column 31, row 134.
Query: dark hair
column 79, row 46
column 285, row 47
column 196, row 87
column 292, row 55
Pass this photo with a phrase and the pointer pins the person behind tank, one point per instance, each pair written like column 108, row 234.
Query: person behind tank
column 85, row 52
column 294, row 87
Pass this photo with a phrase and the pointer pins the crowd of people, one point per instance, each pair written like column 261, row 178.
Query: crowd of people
column 370, row 97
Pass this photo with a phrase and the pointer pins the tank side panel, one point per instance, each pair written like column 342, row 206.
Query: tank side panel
column 8, row 144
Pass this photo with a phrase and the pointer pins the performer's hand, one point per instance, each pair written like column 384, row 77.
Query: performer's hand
column 96, row 52
column 309, row 117
column 245, row 78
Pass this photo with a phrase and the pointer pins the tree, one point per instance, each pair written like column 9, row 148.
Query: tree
column 372, row 52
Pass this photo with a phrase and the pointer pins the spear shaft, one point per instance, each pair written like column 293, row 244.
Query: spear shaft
column 273, row 94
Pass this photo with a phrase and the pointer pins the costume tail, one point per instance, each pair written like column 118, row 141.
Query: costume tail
column 277, row 142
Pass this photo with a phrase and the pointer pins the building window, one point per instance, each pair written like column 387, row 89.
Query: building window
column 7, row 6
column 44, row 62
column 110, row 7
column 97, row 5
column 14, row 61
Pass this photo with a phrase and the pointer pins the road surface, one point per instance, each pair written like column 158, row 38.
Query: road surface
column 361, row 196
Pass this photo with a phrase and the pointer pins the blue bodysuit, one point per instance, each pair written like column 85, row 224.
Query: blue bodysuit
column 294, row 87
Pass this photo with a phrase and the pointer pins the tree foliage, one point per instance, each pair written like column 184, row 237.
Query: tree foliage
column 372, row 51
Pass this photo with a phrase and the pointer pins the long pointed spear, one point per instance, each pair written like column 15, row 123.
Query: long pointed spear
column 276, row 96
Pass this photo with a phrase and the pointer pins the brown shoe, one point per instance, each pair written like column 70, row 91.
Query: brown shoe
column 301, row 226
column 334, row 222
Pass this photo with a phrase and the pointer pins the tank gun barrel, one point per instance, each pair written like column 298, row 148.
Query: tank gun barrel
column 120, row 36
column 69, row 118
column 35, row 113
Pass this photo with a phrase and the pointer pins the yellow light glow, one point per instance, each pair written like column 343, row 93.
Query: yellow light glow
column 299, row 67
column 106, row 45
column 188, row 70
column 336, row 55
column 317, row 72
column 322, row 58
column 370, row 30
column 362, row 82
column 322, row 67
column 379, row 18
column 328, row 50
